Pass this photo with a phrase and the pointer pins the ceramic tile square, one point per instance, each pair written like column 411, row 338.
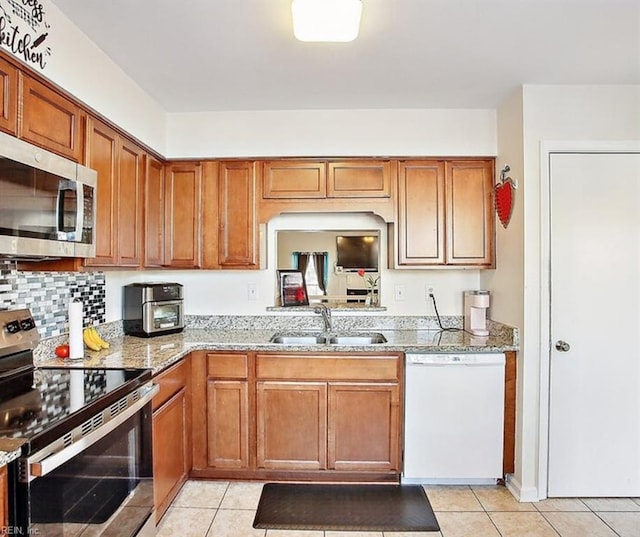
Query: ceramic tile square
column 242, row 496
column 579, row 525
column 201, row 494
column 186, row 522
column 611, row 504
column 624, row 524
column 561, row 504
column 452, row 498
column 523, row 525
column 636, row 500
column 466, row 525
column 234, row 523
column 500, row 499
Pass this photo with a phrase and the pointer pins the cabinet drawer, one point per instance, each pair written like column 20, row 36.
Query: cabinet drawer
column 171, row 381
column 227, row 366
column 326, row 368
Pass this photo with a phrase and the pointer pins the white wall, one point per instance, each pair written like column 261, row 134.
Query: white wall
column 550, row 113
column 332, row 133
column 225, row 291
column 83, row 70
column 506, row 282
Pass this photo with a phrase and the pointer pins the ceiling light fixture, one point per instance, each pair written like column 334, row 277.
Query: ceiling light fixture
column 326, row 20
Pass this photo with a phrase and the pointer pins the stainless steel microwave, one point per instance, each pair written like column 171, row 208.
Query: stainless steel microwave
column 47, row 203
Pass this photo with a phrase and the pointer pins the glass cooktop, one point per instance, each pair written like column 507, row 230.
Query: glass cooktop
column 44, row 402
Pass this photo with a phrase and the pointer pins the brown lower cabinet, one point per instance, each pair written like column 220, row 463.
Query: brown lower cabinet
column 297, row 416
column 4, row 500
column 171, row 434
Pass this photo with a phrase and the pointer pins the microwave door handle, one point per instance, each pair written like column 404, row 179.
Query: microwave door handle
column 60, row 213
column 79, row 212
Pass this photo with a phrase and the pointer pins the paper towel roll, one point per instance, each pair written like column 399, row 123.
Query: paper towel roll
column 76, row 345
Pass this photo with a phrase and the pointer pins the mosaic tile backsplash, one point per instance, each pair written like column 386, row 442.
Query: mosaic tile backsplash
column 47, row 295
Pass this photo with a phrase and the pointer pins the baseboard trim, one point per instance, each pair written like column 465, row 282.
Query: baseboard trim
column 520, row 493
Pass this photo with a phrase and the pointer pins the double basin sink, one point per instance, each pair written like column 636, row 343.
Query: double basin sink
column 329, row 339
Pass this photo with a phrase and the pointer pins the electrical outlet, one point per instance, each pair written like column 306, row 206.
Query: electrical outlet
column 399, row 292
column 429, row 290
column 252, row 291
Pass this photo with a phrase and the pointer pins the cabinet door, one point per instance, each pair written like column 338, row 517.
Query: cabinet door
column 4, row 499
column 364, row 427
column 237, row 214
column 170, row 450
column 50, row 120
column 102, row 156
column 8, row 97
column 154, row 213
column 470, row 221
column 420, row 227
column 359, row 179
column 130, row 203
column 285, row 179
column 227, row 424
column 291, row 425
column 183, row 185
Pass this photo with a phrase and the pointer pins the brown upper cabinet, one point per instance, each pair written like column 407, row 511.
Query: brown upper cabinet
column 183, row 198
column 445, row 215
column 120, row 167
column 237, row 230
column 300, row 179
column 50, row 120
column 8, row 98
column 154, row 213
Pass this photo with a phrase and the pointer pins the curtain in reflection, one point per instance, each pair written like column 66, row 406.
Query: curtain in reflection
column 320, row 265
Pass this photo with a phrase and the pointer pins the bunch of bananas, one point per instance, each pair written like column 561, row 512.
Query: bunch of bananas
column 93, row 340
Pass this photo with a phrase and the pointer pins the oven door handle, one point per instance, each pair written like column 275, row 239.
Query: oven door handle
column 45, row 461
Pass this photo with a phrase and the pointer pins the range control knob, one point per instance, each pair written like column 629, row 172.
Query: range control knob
column 27, row 324
column 13, row 327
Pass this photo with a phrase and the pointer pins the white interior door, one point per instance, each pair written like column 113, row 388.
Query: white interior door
column 594, row 407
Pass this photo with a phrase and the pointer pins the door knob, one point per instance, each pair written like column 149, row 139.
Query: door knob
column 562, row 346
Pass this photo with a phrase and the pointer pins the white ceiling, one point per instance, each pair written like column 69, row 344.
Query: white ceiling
column 212, row 55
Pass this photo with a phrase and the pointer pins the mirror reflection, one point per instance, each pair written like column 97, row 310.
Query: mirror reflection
column 338, row 266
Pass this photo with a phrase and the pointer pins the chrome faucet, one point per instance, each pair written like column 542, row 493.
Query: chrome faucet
column 324, row 310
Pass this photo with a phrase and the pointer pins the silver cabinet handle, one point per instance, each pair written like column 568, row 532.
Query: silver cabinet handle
column 562, row 346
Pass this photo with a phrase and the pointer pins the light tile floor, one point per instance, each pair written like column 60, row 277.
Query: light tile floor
column 221, row 509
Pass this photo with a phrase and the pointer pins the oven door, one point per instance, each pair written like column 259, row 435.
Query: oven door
column 106, row 489
column 163, row 316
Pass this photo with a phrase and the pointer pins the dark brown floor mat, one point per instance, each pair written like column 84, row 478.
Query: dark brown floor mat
column 345, row 508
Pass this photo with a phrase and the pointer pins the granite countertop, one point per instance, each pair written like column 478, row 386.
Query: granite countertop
column 159, row 352
column 10, row 449
column 246, row 333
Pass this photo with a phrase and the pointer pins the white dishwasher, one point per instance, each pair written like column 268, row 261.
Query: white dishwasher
column 454, row 411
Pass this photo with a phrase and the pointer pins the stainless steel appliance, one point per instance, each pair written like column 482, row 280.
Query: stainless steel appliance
column 86, row 464
column 153, row 309
column 47, row 207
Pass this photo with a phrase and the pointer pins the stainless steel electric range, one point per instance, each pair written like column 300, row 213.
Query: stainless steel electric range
column 86, row 462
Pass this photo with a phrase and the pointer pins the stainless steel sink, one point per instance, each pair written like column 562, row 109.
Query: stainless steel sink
column 298, row 339
column 336, row 339
column 357, row 339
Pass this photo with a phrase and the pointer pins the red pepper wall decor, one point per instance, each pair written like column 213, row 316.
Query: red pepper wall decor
column 504, row 193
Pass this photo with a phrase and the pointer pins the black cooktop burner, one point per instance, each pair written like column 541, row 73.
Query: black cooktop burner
column 44, row 403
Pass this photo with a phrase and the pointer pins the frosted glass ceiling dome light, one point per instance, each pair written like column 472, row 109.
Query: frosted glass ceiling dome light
column 326, row 20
